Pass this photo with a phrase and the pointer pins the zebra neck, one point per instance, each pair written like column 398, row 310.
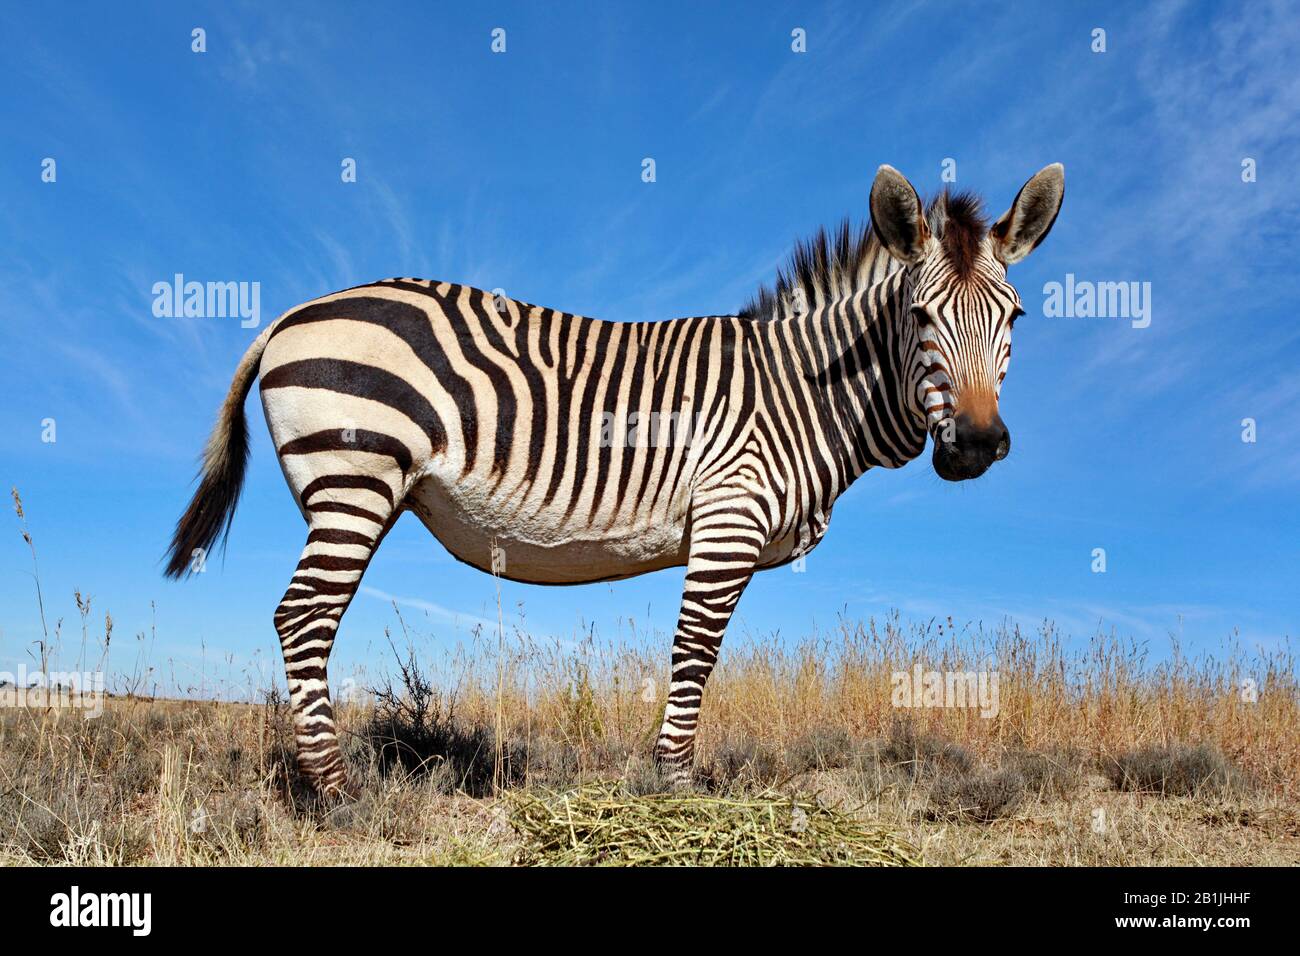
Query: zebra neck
column 867, row 376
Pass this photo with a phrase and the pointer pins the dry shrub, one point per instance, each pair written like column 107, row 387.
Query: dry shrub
column 822, row 748
column 76, row 790
column 1055, row 773
column 1177, row 769
column 414, row 730
column 740, row 765
column 69, row 821
column 948, row 782
column 983, row 795
column 922, row 756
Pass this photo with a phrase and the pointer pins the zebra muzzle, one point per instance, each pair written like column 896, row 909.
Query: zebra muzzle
column 968, row 449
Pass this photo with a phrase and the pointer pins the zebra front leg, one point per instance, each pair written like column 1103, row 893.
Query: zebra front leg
column 341, row 541
column 725, row 544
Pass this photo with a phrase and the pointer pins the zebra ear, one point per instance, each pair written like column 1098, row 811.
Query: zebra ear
column 1030, row 218
column 897, row 216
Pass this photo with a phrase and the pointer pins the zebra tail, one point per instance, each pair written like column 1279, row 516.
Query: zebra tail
column 221, row 474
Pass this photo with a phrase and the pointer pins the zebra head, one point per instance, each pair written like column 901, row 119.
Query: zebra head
column 959, row 307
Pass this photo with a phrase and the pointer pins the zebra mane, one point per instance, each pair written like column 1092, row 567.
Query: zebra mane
column 958, row 220
column 833, row 265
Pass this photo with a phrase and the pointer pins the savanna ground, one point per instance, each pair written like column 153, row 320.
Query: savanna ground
column 512, row 751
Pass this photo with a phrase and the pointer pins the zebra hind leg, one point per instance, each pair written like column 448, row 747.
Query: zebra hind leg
column 725, row 543
column 343, row 535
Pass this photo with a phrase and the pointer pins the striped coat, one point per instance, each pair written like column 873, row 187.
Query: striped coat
column 556, row 449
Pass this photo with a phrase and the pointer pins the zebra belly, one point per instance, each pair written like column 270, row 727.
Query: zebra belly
column 539, row 548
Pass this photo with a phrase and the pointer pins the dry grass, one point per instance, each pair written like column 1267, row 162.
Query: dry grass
column 1097, row 755
column 1094, row 758
column 605, row 825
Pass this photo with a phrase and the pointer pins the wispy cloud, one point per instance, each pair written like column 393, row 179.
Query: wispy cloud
column 459, row 618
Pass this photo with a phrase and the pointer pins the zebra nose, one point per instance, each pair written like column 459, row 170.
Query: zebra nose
column 972, row 447
column 984, row 443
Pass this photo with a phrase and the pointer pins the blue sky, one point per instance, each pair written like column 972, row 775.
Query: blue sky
column 522, row 171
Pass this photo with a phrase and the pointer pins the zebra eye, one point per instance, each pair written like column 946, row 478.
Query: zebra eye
column 922, row 317
column 1016, row 313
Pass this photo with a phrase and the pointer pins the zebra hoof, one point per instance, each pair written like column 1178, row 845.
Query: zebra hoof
column 681, row 783
column 675, row 774
column 347, row 792
column 338, row 786
column 333, row 788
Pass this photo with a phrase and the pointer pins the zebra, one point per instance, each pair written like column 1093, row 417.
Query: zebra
column 517, row 434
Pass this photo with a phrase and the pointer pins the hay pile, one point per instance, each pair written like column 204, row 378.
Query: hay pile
column 601, row 825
